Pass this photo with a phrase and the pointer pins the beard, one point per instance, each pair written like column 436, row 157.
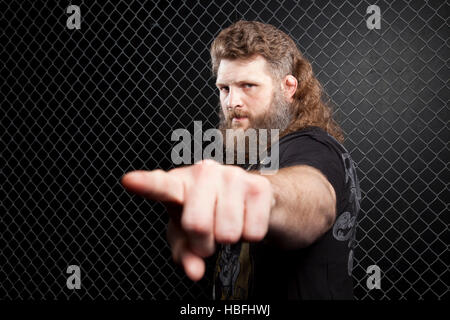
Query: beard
column 278, row 116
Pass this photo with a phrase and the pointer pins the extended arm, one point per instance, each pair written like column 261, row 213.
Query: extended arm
column 211, row 203
column 305, row 206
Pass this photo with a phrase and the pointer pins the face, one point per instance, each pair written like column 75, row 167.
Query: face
column 249, row 96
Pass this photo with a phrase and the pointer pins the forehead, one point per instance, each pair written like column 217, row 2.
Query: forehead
column 238, row 70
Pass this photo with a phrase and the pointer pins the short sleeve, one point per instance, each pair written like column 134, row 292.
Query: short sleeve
column 318, row 153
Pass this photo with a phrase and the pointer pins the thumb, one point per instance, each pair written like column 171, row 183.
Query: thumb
column 194, row 266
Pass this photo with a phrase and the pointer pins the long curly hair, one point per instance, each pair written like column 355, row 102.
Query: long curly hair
column 245, row 39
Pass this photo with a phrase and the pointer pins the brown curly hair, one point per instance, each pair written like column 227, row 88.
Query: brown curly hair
column 245, row 39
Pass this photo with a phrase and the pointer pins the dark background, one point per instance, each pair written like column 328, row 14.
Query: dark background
column 79, row 108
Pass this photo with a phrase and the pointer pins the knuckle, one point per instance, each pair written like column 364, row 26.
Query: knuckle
column 227, row 236
column 195, row 227
column 256, row 224
column 229, row 211
column 229, row 222
column 158, row 173
column 157, row 177
column 258, row 186
column 233, row 174
column 255, row 190
column 255, row 233
column 205, row 167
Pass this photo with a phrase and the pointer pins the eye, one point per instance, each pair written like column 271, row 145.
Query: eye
column 224, row 89
column 248, row 85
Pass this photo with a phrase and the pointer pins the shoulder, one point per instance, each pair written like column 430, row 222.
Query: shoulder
column 311, row 140
column 316, row 148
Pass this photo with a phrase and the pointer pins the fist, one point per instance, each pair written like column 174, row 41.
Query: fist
column 208, row 203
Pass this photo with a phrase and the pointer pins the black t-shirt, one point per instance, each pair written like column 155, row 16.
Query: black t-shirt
column 319, row 271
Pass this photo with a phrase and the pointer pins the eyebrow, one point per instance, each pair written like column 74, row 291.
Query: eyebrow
column 219, row 84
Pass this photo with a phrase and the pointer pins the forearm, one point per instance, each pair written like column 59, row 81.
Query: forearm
column 305, row 205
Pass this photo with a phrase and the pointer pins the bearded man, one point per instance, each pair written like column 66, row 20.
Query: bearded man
column 289, row 235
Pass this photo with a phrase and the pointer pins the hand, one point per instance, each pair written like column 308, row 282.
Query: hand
column 208, row 203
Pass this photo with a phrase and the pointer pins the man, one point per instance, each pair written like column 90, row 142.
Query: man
column 289, row 235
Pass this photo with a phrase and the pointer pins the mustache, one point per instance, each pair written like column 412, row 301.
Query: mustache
column 237, row 113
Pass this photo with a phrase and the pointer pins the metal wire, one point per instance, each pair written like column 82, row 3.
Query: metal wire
column 80, row 107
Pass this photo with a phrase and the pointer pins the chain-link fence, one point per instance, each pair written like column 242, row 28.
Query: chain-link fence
column 80, row 107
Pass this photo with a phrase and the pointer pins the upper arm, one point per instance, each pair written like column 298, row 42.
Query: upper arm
column 317, row 155
column 305, row 206
column 326, row 195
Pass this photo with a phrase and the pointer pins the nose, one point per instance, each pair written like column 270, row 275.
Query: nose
column 234, row 99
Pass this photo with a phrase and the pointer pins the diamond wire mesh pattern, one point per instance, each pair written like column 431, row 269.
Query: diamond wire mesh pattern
column 82, row 107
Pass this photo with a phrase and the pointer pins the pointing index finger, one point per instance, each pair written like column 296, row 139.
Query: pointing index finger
column 156, row 185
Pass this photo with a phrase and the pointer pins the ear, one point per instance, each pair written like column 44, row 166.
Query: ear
column 289, row 84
